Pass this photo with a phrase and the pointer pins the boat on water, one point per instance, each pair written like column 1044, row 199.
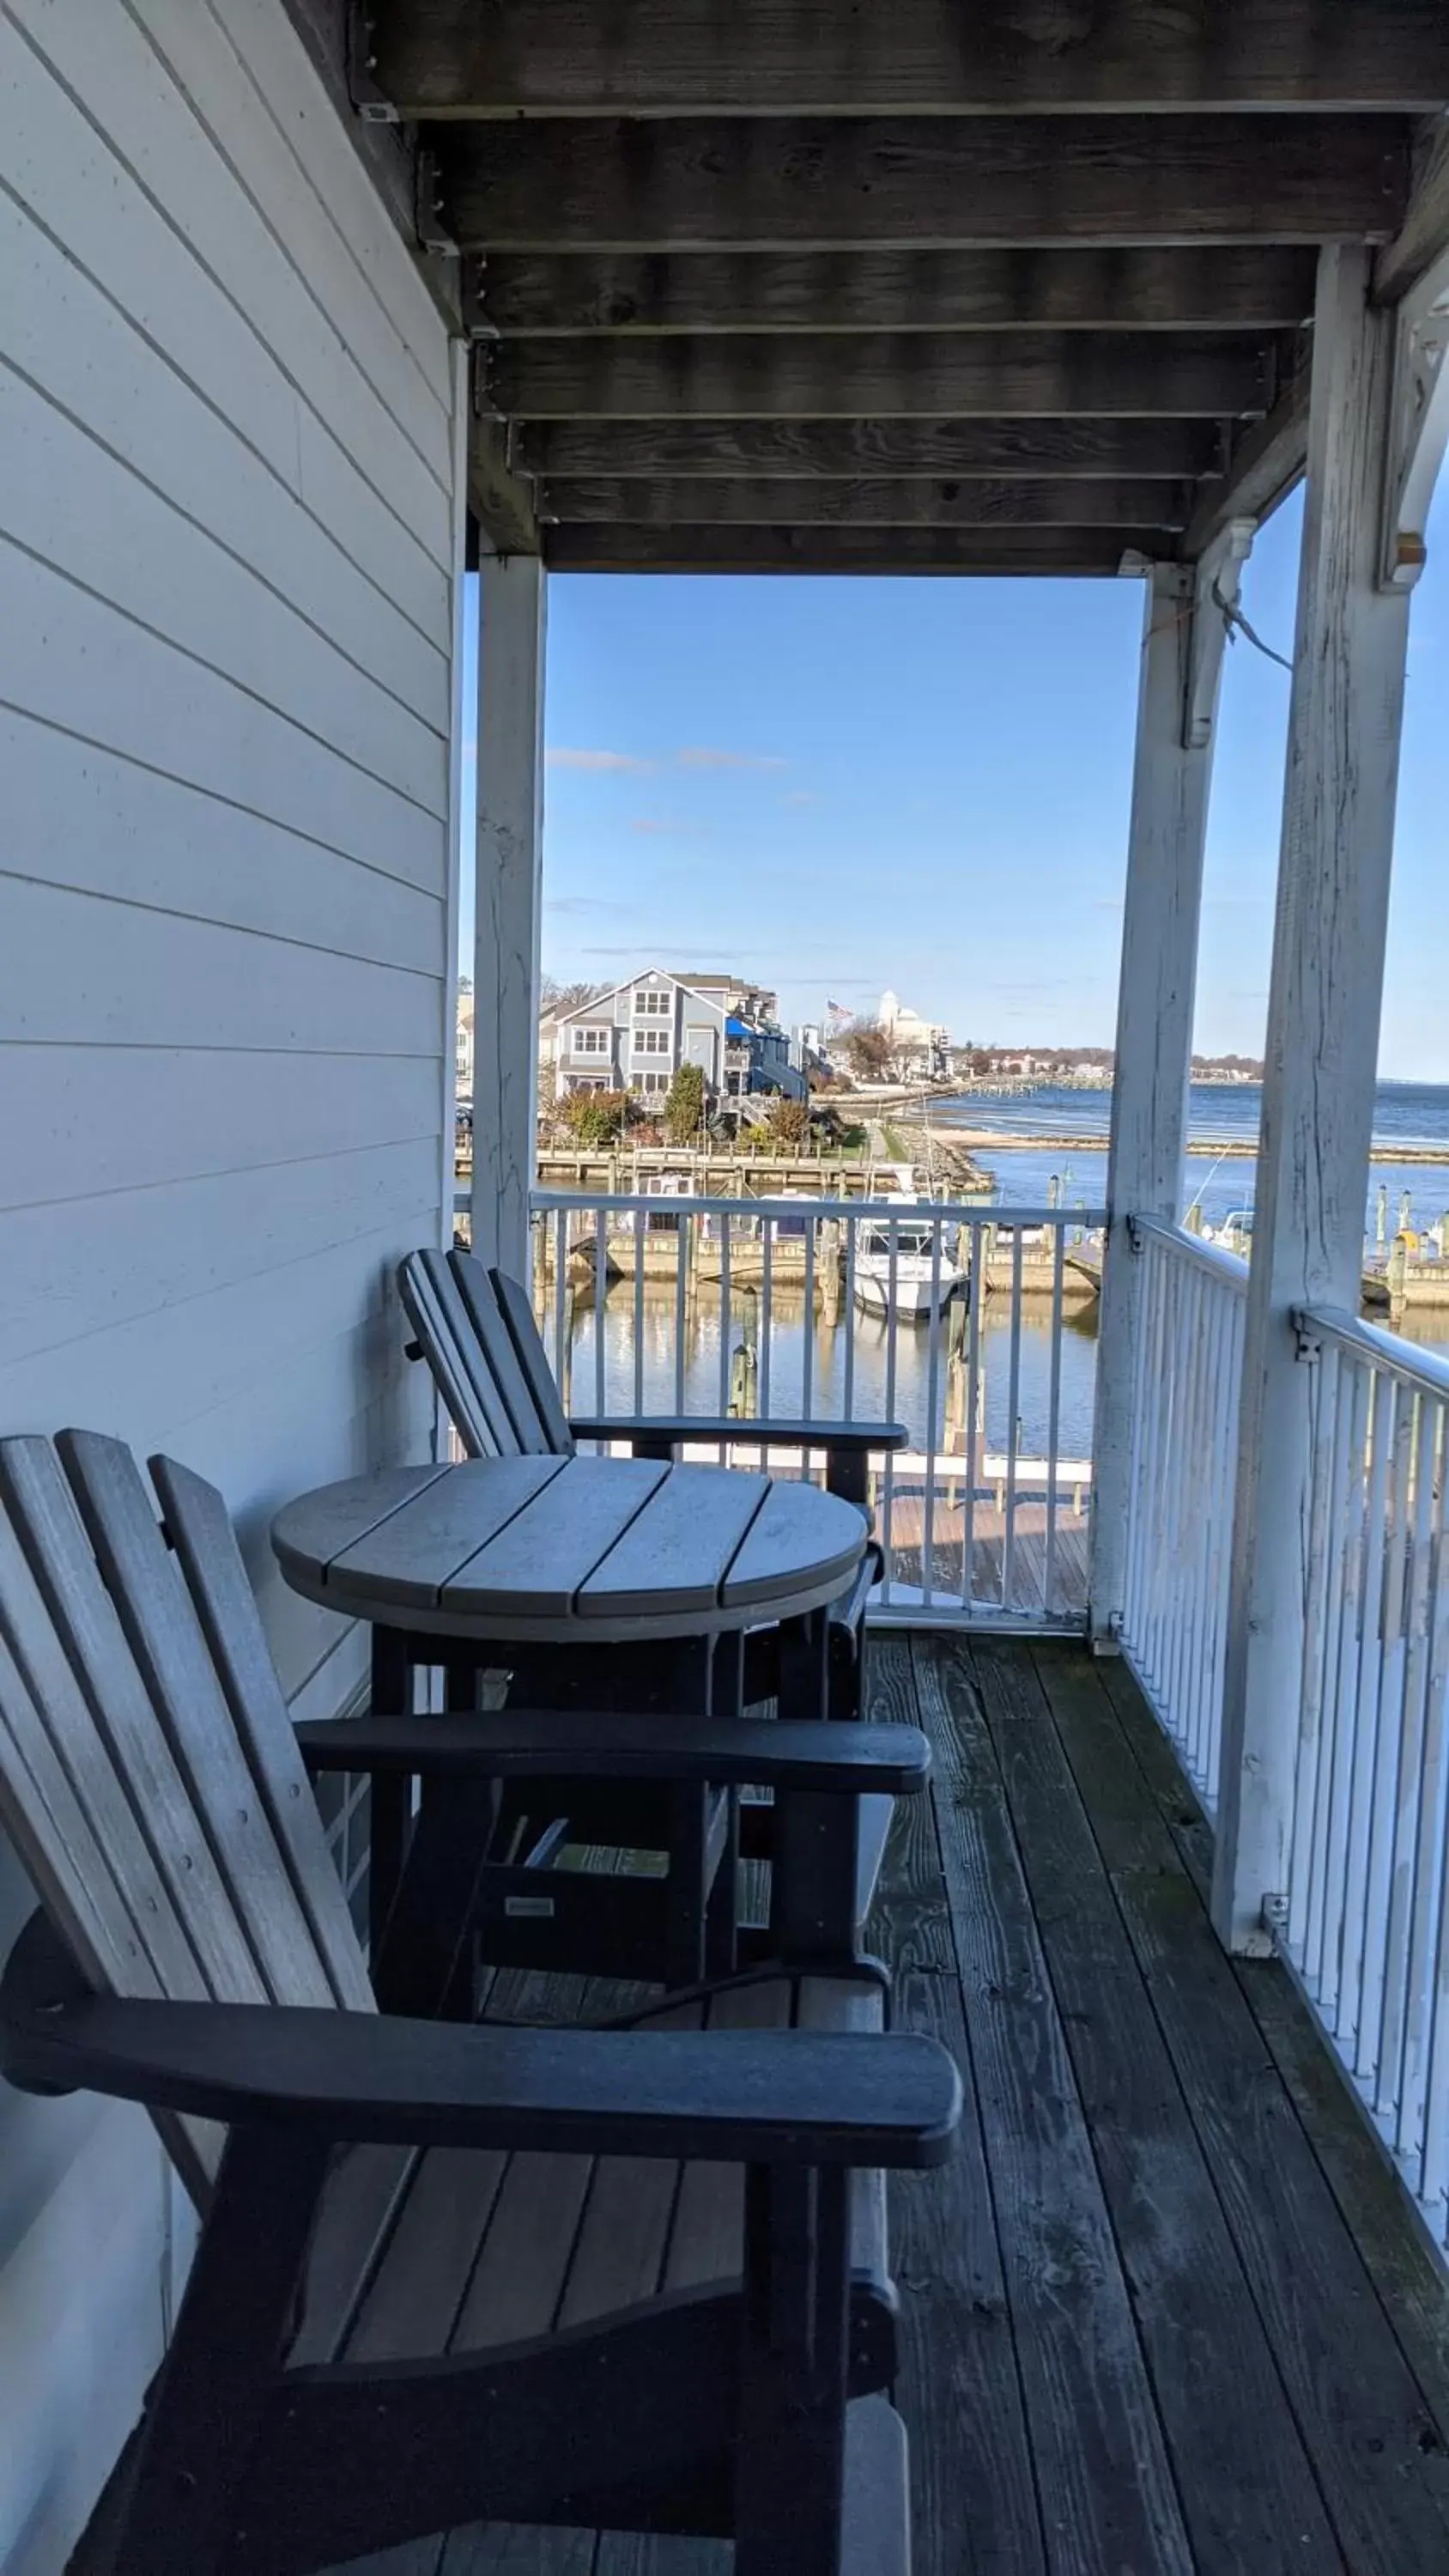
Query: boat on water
column 903, row 1267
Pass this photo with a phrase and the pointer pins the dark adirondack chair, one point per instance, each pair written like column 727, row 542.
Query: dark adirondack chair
column 627, row 2279
column 476, row 1330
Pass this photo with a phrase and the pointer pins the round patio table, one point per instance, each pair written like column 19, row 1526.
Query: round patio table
column 663, row 1565
column 570, row 1551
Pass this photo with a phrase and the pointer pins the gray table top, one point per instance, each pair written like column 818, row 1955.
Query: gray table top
column 563, row 1550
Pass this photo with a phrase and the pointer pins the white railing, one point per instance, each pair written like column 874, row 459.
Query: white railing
column 1191, row 1306
column 973, row 1326
column 1367, row 1902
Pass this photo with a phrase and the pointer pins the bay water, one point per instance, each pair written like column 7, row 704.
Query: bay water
column 1224, row 1116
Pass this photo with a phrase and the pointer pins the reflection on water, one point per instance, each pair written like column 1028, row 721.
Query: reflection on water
column 815, row 1372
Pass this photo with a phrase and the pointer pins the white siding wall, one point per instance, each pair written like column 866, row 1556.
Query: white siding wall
column 229, row 587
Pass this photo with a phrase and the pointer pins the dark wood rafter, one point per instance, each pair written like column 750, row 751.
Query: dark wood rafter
column 772, row 284
column 1166, row 450
column 923, row 503
column 881, row 374
column 498, row 498
column 968, row 290
column 1266, row 463
column 692, row 548
column 455, row 58
column 605, row 184
column 1425, row 232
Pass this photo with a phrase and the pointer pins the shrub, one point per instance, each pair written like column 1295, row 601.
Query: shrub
column 684, row 1105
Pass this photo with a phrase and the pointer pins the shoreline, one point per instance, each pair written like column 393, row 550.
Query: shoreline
column 1001, row 1140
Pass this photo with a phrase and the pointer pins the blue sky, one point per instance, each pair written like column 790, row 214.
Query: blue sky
column 840, row 785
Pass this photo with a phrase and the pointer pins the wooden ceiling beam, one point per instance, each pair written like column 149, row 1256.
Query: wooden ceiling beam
column 446, row 58
column 1072, row 551
column 702, row 183
column 499, row 499
column 922, row 503
column 1265, row 464
column 879, row 375
column 1171, row 450
column 1266, row 288
column 1425, row 232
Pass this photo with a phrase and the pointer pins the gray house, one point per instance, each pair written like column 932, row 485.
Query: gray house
column 636, row 1037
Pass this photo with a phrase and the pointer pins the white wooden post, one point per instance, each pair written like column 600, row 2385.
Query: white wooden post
column 1182, row 645
column 506, row 949
column 1322, row 1053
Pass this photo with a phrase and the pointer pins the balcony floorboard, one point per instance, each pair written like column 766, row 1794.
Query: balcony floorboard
column 1167, row 2310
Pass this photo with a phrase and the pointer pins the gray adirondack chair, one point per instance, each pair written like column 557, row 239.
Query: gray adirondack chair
column 630, row 2279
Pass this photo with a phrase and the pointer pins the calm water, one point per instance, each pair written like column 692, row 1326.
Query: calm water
column 1407, row 1114
column 1227, row 1114
column 902, row 1393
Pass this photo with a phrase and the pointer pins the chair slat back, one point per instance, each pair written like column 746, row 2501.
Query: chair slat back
column 164, row 1636
column 199, row 1527
column 148, row 1776
column 518, row 1319
column 112, row 1706
column 538, row 1436
column 449, row 1344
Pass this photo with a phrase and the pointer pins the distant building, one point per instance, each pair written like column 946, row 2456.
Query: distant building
column 465, row 1039
column 636, row 1037
column 920, row 1046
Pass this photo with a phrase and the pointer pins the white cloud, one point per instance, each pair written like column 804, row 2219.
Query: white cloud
column 598, row 760
column 704, row 756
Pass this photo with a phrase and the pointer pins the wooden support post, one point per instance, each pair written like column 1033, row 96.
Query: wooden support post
column 1182, row 646
column 509, row 851
column 1322, row 1048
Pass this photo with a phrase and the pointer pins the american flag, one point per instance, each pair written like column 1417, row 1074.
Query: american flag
column 837, row 1013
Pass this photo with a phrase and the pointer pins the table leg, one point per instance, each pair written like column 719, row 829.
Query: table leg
column 389, row 1794
column 426, row 1964
column 817, row 1839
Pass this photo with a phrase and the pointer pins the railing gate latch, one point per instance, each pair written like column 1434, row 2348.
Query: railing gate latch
column 1275, row 1919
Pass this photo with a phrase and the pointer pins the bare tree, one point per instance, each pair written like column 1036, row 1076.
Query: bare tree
column 869, row 1051
column 559, row 998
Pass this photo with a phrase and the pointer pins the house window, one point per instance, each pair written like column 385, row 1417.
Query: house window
column 651, row 1041
column 650, row 1082
column 651, row 1004
column 591, row 1041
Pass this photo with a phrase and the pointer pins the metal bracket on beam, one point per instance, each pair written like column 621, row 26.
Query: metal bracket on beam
column 429, row 201
column 1418, row 424
column 1218, row 579
column 477, row 321
column 1307, row 1340
column 369, row 101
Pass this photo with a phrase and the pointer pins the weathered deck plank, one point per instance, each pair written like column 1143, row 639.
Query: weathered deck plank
column 1107, row 2492
column 1361, row 2415
column 1249, row 2496
column 1166, row 2311
column 974, row 2501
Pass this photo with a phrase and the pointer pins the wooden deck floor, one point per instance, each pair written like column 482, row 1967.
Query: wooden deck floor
column 1165, row 2312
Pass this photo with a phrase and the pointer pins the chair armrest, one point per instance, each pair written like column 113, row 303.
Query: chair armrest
column 845, row 1437
column 743, row 2097
column 523, row 1744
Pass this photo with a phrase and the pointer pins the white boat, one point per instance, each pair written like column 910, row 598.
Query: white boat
column 899, row 1271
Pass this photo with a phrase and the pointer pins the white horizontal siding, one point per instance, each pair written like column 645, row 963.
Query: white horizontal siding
column 63, row 170
column 60, row 331
column 67, row 501
column 95, row 1121
column 75, row 661
column 229, row 567
column 103, row 824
